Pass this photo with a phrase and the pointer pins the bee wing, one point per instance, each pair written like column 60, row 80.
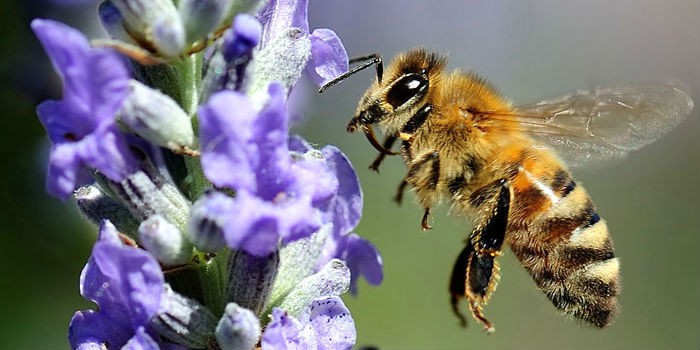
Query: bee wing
column 605, row 123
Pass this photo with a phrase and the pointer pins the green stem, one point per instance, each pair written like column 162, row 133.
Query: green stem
column 190, row 71
column 195, row 182
column 190, row 78
column 213, row 277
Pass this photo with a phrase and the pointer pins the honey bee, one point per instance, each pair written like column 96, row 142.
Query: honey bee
column 505, row 167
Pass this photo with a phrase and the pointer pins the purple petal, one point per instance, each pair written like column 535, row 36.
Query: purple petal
column 299, row 144
column 125, row 282
column 252, row 227
column 106, row 150
column 270, row 134
column 313, row 177
column 259, row 226
column 66, row 171
column 299, row 220
column 225, row 127
column 284, row 332
column 328, row 57
column 347, row 206
column 109, row 234
column 326, row 324
column 95, row 86
column 69, row 162
column 263, row 237
column 332, row 324
column 363, row 259
column 60, row 124
column 95, row 80
column 244, row 150
column 141, row 341
column 279, row 15
column 90, row 330
column 106, row 86
column 65, row 46
column 243, row 38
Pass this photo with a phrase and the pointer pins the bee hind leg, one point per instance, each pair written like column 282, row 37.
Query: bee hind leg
column 458, row 281
column 476, row 265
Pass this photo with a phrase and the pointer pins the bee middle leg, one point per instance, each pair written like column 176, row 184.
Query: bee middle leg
column 398, row 197
column 387, row 144
column 424, row 174
column 475, row 273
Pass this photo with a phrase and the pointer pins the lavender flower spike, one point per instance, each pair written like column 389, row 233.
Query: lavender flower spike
column 126, row 283
column 82, row 126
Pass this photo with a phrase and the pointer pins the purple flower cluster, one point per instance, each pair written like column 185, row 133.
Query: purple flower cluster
column 262, row 220
column 82, row 126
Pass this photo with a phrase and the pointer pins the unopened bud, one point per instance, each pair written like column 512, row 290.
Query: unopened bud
column 98, row 206
column 184, row 321
column 145, row 197
column 238, row 329
column 201, row 17
column 250, row 279
column 156, row 22
column 113, row 22
column 242, row 38
column 282, row 59
column 164, row 241
column 229, row 66
column 208, row 218
column 157, row 118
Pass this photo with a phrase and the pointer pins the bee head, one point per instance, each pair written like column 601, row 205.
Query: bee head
column 405, row 86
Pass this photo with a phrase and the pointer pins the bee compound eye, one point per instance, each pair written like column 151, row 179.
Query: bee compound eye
column 405, row 88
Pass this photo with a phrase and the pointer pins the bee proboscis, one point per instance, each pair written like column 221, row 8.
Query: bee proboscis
column 504, row 166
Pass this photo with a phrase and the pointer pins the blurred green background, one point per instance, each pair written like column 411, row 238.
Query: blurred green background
column 531, row 50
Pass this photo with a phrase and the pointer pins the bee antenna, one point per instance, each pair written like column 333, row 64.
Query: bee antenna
column 367, row 61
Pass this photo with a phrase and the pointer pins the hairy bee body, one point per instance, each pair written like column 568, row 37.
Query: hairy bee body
column 553, row 227
column 463, row 143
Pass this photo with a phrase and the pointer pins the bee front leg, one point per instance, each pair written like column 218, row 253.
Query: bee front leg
column 476, row 267
column 387, row 144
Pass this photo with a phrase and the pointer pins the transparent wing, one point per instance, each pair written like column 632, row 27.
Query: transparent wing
column 605, row 123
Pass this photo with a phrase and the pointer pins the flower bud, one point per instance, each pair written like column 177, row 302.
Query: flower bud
column 98, row 206
column 243, row 37
column 145, row 196
column 156, row 22
column 164, row 241
column 332, row 280
column 282, row 60
column 201, row 17
column 238, row 329
column 250, row 279
column 113, row 21
column 229, row 65
column 297, row 261
column 207, row 221
column 184, row 320
column 157, row 118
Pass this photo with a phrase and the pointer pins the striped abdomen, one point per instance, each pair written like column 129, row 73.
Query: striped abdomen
column 557, row 235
